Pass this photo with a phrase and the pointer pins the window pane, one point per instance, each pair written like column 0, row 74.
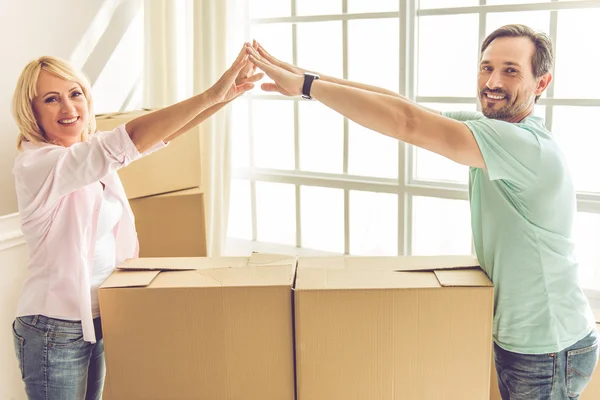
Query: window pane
column 578, row 134
column 362, row 6
column 270, row 8
column 373, row 224
column 371, row 153
column 440, row 226
column 459, row 43
column 586, row 234
column 320, row 47
column 318, row 7
column 240, row 215
column 276, row 213
column 322, row 217
column 273, row 133
column 429, row 166
column 423, row 4
column 321, row 136
column 538, row 20
column 240, row 143
column 371, row 64
column 577, row 29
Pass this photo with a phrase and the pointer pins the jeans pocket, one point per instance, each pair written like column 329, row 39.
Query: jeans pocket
column 580, row 366
column 63, row 336
column 19, row 343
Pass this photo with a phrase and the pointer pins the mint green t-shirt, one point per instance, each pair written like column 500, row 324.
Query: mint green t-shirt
column 522, row 209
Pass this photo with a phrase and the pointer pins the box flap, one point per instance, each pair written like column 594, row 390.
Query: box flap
column 315, row 279
column 272, row 259
column 129, row 279
column 272, row 275
column 411, row 263
column 182, row 263
column 258, row 270
column 184, row 192
column 390, row 263
column 463, row 277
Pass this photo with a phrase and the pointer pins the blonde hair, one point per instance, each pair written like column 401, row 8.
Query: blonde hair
column 25, row 92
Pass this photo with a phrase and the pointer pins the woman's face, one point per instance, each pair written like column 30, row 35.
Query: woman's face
column 61, row 109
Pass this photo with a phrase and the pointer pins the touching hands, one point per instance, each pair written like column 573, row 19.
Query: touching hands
column 237, row 80
column 287, row 78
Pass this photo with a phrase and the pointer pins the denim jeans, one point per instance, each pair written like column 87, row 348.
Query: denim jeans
column 554, row 376
column 55, row 362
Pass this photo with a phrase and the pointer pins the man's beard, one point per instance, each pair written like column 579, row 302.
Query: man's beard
column 506, row 112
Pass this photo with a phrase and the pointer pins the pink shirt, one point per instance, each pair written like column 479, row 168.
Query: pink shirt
column 59, row 198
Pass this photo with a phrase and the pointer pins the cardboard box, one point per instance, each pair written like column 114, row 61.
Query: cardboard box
column 392, row 328
column 172, row 224
column 591, row 392
column 199, row 328
column 176, row 167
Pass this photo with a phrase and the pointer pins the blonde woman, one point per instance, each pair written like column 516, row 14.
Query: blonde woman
column 76, row 218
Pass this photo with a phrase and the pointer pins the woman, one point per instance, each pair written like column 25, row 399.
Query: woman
column 75, row 215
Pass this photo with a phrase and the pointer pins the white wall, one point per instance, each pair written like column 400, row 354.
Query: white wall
column 84, row 32
column 13, row 262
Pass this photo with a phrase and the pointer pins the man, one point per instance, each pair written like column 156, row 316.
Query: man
column 522, row 202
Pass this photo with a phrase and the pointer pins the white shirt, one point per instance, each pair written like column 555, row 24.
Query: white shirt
column 111, row 211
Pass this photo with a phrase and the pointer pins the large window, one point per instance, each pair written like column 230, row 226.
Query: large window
column 306, row 177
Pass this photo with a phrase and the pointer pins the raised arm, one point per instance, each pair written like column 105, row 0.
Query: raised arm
column 169, row 122
column 326, row 78
column 389, row 115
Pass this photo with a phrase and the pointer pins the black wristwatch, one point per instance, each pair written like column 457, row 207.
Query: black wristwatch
column 308, row 80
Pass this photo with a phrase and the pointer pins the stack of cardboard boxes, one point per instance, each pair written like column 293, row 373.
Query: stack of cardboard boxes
column 165, row 193
column 272, row 327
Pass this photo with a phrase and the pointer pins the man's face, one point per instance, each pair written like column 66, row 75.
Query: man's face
column 506, row 84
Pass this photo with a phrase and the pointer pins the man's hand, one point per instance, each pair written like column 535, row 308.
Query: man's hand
column 287, row 66
column 285, row 82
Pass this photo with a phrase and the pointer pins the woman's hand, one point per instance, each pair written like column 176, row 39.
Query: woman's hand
column 286, row 82
column 248, row 73
column 232, row 83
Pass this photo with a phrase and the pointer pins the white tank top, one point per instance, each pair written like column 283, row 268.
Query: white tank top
column 111, row 211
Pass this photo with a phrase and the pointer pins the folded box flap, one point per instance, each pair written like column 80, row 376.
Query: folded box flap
column 252, row 276
column 474, row 277
column 182, row 263
column 120, row 279
column 390, row 263
column 271, row 259
column 436, row 263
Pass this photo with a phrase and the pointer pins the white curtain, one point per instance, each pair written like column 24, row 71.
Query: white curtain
column 188, row 45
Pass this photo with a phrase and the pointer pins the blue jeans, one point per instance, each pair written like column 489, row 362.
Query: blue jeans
column 55, row 362
column 554, row 376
